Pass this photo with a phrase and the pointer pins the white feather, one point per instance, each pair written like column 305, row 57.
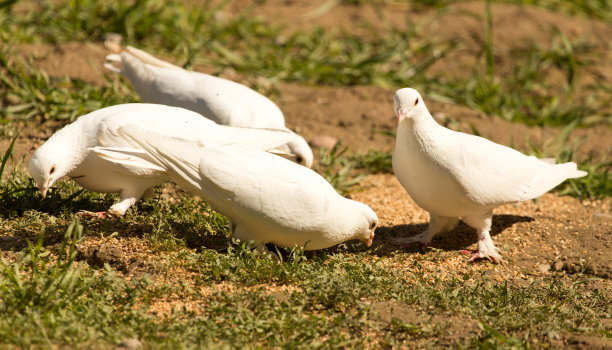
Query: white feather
column 69, row 151
column 267, row 198
column 455, row 175
column 223, row 101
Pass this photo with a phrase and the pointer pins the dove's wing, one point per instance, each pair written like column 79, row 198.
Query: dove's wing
column 493, row 174
column 252, row 185
column 183, row 124
column 180, row 155
column 131, row 161
column 239, row 183
column 167, row 120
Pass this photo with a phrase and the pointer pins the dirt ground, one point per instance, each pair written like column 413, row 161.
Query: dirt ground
column 535, row 237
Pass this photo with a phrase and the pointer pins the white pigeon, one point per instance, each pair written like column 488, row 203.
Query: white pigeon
column 223, row 101
column 268, row 199
column 456, row 176
column 68, row 151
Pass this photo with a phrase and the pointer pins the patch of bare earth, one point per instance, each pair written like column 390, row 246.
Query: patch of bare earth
column 535, row 237
column 449, row 329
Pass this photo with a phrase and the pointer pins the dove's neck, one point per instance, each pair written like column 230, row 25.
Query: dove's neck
column 421, row 131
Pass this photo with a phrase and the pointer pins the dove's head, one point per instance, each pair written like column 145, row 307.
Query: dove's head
column 303, row 154
column 46, row 167
column 408, row 104
column 367, row 224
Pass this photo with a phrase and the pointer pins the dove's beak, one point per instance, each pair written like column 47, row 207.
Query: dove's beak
column 401, row 115
column 369, row 241
column 44, row 189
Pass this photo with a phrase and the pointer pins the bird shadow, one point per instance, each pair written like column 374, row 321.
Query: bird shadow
column 461, row 237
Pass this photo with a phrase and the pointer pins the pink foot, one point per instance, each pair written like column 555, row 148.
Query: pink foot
column 93, row 214
column 475, row 255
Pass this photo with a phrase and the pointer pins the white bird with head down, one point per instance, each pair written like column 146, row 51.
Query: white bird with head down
column 68, row 151
column 223, row 101
column 268, row 199
column 456, row 176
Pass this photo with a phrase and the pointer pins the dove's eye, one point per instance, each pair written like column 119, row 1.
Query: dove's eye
column 416, row 102
column 52, row 170
column 372, row 225
column 299, row 159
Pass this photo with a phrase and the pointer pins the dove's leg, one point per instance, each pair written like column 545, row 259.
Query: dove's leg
column 243, row 235
column 127, row 198
column 93, row 214
column 486, row 248
column 437, row 224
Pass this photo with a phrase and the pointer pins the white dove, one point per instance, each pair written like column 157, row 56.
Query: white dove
column 68, row 151
column 268, row 199
column 456, row 176
column 223, row 101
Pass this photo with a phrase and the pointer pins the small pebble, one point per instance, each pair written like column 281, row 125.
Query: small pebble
column 130, row 343
column 544, row 268
column 323, row 141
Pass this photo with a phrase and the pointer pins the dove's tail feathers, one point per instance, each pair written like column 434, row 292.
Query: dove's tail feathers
column 549, row 160
column 572, row 170
column 147, row 58
column 114, row 63
column 549, row 177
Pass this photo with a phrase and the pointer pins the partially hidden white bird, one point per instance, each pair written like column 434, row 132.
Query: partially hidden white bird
column 69, row 151
column 455, row 176
column 224, row 101
column 268, row 199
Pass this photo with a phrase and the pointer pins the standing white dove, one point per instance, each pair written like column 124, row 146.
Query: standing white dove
column 224, row 101
column 69, row 151
column 268, row 199
column 455, row 176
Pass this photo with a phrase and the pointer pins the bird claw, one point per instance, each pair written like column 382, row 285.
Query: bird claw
column 96, row 214
column 475, row 255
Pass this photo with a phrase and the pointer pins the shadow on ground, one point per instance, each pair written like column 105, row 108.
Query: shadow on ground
column 459, row 238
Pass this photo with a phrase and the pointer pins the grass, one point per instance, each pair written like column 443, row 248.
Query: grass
column 180, row 281
column 337, row 168
column 330, row 299
column 397, row 57
column 596, row 184
column 27, row 92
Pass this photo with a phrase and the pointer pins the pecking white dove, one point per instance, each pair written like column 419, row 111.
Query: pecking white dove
column 68, row 152
column 223, row 101
column 455, row 176
column 268, row 199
